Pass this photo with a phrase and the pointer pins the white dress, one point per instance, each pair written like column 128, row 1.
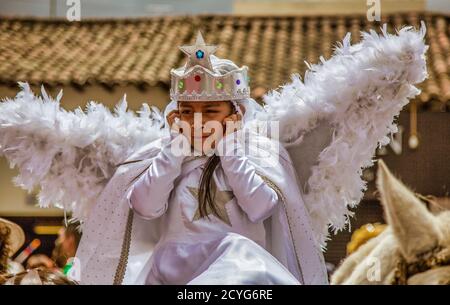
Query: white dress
column 208, row 250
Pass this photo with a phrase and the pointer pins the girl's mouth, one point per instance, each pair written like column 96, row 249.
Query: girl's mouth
column 202, row 136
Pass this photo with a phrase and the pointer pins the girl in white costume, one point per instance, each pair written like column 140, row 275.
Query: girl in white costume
column 212, row 208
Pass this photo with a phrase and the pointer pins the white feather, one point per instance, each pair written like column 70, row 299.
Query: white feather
column 359, row 91
column 70, row 155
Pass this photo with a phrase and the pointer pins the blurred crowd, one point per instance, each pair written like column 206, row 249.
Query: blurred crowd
column 36, row 269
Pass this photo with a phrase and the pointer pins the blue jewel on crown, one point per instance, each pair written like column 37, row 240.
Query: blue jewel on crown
column 199, row 54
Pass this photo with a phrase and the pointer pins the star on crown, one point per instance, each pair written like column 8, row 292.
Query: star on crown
column 198, row 54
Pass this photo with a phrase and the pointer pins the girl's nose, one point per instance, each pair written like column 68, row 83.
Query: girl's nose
column 194, row 127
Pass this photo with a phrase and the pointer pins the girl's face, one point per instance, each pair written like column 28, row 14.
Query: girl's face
column 210, row 111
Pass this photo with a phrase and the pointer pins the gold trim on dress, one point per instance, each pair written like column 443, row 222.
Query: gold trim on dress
column 125, row 251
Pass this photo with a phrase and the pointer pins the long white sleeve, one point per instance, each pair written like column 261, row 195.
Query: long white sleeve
column 149, row 195
column 254, row 196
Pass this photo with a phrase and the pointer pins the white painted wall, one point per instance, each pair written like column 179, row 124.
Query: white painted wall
column 442, row 6
column 141, row 8
column 116, row 8
column 39, row 8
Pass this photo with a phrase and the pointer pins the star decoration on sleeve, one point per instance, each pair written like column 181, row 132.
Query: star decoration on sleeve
column 198, row 54
column 221, row 198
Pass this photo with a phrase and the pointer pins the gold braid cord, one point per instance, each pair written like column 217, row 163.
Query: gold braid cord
column 123, row 260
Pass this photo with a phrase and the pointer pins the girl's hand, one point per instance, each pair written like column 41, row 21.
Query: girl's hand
column 232, row 123
column 171, row 118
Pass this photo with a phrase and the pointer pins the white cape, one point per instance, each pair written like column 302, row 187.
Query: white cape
column 116, row 247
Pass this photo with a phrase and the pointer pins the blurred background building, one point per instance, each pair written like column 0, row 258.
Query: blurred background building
column 130, row 46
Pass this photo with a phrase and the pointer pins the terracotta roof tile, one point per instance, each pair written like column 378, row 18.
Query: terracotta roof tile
column 142, row 51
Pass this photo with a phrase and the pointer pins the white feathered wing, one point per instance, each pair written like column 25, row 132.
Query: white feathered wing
column 70, row 156
column 333, row 122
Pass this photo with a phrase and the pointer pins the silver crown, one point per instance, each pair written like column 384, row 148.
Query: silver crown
column 197, row 81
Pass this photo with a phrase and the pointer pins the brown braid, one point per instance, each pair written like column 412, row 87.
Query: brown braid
column 207, row 189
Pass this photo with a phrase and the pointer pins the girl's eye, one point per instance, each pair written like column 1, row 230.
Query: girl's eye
column 185, row 112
